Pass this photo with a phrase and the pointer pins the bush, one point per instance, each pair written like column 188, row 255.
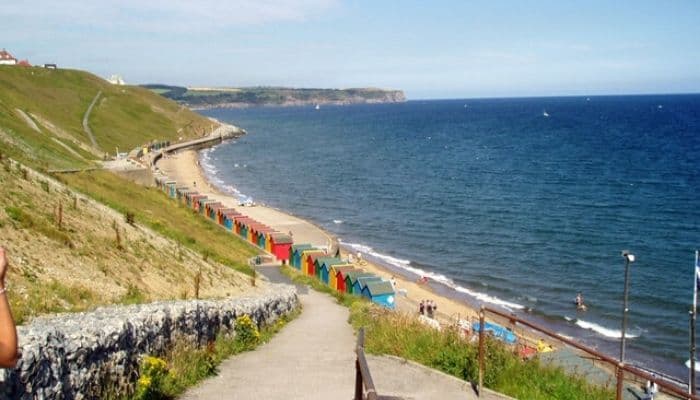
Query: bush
column 154, row 372
column 247, row 334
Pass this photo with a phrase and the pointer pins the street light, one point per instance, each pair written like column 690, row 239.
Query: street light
column 629, row 258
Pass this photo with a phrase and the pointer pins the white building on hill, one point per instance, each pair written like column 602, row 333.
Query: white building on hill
column 6, row 58
column 116, row 80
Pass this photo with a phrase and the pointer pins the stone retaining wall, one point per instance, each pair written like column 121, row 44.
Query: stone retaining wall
column 73, row 356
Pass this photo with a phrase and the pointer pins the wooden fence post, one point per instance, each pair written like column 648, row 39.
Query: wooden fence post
column 620, row 380
column 482, row 349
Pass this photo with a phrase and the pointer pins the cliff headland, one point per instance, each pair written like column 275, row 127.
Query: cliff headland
column 210, row 97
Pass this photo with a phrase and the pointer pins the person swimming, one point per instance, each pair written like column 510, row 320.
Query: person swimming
column 579, row 302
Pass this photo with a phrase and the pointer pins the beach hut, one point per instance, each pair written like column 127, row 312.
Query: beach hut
column 197, row 200
column 295, row 254
column 203, row 205
column 169, row 188
column 189, row 197
column 264, row 235
column 380, row 292
column 334, row 274
column 180, row 192
column 280, row 246
column 361, row 281
column 239, row 225
column 228, row 219
column 212, row 210
column 341, row 276
column 325, row 263
column 268, row 243
column 351, row 277
column 310, row 257
column 225, row 214
column 327, row 270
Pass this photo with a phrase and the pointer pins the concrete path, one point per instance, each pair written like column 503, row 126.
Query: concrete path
column 311, row 358
column 397, row 377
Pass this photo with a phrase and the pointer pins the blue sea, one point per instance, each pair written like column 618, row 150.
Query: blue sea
column 516, row 203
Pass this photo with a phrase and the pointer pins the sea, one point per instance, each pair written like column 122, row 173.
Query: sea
column 516, row 203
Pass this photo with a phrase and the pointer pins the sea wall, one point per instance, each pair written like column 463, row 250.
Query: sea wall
column 75, row 356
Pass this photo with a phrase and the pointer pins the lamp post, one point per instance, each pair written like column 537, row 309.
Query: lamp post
column 629, row 258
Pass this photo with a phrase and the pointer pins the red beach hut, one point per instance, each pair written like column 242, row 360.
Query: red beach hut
column 280, row 246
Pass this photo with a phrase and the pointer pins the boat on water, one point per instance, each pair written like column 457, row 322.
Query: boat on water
column 318, row 106
column 545, row 114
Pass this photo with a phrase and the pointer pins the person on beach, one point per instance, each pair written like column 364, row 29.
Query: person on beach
column 421, row 307
column 8, row 331
column 429, row 308
column 393, row 282
column 651, row 388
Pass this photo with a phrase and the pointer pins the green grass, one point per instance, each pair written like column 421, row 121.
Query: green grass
column 124, row 117
column 403, row 336
column 49, row 298
column 186, row 365
column 154, row 209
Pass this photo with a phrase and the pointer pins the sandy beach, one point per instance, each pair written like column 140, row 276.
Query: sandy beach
column 183, row 167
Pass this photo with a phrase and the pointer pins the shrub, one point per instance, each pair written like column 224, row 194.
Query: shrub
column 247, row 334
column 153, row 373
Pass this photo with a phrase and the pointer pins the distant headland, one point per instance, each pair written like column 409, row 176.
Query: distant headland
column 212, row 97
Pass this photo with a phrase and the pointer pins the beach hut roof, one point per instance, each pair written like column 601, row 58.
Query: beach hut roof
column 344, row 268
column 301, row 247
column 357, row 273
column 378, row 288
column 315, row 254
column 281, row 238
column 330, row 261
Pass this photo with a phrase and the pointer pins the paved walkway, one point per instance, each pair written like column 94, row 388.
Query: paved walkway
column 313, row 358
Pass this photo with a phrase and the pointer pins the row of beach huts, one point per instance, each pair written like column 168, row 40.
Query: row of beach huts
column 335, row 272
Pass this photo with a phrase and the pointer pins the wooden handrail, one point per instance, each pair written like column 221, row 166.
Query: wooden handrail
column 364, row 385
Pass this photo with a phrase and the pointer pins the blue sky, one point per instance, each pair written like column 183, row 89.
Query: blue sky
column 436, row 49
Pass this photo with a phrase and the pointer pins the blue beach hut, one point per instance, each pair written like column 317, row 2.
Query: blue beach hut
column 380, row 292
column 295, row 254
column 361, row 281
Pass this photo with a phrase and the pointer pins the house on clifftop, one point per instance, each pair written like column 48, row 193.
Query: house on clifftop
column 6, row 58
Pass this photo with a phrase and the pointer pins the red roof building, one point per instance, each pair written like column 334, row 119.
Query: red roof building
column 6, row 58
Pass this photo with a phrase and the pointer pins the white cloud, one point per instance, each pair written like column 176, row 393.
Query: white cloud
column 160, row 15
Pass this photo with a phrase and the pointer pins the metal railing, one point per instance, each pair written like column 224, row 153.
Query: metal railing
column 619, row 368
column 364, row 385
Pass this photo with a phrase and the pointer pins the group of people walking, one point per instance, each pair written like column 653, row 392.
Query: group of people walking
column 427, row 308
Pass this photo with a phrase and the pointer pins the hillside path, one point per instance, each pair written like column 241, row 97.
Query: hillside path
column 86, row 117
column 313, row 358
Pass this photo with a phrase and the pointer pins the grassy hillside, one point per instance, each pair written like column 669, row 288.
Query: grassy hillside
column 55, row 101
column 80, row 261
column 90, row 255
